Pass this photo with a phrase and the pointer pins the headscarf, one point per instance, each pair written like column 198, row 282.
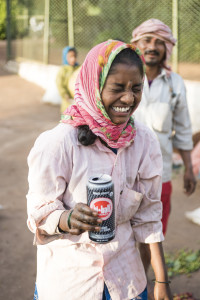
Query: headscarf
column 64, row 55
column 89, row 109
column 156, row 28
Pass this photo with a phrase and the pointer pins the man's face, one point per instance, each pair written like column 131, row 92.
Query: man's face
column 153, row 49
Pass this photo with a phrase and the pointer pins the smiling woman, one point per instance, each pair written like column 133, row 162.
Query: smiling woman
column 71, row 265
column 120, row 91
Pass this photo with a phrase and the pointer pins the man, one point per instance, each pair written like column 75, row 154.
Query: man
column 164, row 109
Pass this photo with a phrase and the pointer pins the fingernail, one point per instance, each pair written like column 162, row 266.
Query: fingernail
column 97, row 228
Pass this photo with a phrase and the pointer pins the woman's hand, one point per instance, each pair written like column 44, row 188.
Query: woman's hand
column 82, row 219
column 162, row 291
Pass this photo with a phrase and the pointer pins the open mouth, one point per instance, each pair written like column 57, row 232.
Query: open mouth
column 121, row 109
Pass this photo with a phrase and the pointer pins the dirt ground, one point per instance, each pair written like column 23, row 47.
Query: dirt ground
column 22, row 118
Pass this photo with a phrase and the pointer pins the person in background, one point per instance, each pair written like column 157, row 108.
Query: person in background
column 98, row 135
column 70, row 65
column 164, row 109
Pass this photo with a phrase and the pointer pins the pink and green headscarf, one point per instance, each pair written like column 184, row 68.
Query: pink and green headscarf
column 89, row 109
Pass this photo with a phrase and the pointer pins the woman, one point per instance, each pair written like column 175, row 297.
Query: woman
column 98, row 135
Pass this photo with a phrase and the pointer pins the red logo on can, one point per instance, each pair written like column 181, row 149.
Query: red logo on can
column 103, row 206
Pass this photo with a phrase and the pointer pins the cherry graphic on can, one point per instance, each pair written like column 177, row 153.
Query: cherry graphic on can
column 100, row 197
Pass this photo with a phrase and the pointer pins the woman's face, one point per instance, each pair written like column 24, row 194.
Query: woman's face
column 71, row 58
column 122, row 92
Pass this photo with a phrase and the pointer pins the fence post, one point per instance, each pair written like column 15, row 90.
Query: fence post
column 175, row 33
column 8, row 30
column 46, row 32
column 70, row 23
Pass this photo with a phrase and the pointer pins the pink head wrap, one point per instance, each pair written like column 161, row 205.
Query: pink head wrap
column 89, row 109
column 156, row 28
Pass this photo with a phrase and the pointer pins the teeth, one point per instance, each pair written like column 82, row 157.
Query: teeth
column 121, row 109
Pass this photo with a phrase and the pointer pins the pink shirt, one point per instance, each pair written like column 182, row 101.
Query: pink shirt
column 74, row 267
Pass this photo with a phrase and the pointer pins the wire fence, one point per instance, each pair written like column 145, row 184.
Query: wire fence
column 44, row 27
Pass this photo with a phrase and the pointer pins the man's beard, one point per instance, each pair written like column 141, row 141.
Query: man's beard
column 152, row 63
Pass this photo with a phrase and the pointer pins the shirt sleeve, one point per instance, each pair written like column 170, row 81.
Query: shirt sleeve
column 181, row 119
column 146, row 223
column 48, row 180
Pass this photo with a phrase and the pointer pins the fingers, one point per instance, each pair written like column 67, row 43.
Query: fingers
column 189, row 183
column 83, row 218
column 189, row 186
column 86, row 215
column 85, row 209
column 74, row 231
column 81, row 226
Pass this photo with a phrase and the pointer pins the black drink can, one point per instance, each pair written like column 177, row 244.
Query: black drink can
column 100, row 197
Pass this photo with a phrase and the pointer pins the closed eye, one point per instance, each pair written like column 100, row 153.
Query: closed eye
column 116, row 90
column 137, row 90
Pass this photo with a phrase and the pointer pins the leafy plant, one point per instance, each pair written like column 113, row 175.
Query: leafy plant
column 183, row 262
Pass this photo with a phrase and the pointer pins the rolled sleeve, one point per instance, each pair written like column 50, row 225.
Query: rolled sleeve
column 47, row 184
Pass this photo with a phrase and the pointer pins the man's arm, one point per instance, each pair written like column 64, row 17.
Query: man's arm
column 183, row 137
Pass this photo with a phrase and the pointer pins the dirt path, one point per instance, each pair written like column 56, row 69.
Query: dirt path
column 22, row 118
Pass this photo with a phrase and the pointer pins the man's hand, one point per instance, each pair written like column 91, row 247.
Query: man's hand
column 82, row 219
column 189, row 182
column 189, row 178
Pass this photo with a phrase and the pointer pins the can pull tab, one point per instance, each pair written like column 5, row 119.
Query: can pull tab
column 95, row 178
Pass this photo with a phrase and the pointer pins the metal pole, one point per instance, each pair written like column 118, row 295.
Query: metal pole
column 8, row 29
column 70, row 23
column 46, row 32
column 175, row 33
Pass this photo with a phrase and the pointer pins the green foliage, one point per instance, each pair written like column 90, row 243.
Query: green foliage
column 18, row 18
column 98, row 20
column 58, row 23
column 2, row 19
column 183, row 262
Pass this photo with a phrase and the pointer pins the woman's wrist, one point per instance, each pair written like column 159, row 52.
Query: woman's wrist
column 64, row 222
column 162, row 281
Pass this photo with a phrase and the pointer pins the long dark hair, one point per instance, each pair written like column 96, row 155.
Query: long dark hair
column 127, row 56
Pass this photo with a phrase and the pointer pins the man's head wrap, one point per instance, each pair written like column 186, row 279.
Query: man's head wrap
column 156, row 28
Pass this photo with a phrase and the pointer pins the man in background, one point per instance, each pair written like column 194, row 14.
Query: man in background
column 164, row 109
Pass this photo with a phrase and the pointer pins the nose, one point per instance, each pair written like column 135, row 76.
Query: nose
column 152, row 45
column 128, row 98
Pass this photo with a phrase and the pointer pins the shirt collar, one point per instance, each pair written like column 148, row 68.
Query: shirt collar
column 100, row 146
column 163, row 74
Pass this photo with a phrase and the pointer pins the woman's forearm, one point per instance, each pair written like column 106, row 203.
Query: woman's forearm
column 158, row 261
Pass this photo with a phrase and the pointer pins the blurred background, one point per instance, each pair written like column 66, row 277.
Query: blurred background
column 37, row 30
column 32, row 36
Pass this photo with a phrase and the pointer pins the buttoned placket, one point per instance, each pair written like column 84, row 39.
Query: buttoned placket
column 150, row 91
column 117, row 175
column 117, row 171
